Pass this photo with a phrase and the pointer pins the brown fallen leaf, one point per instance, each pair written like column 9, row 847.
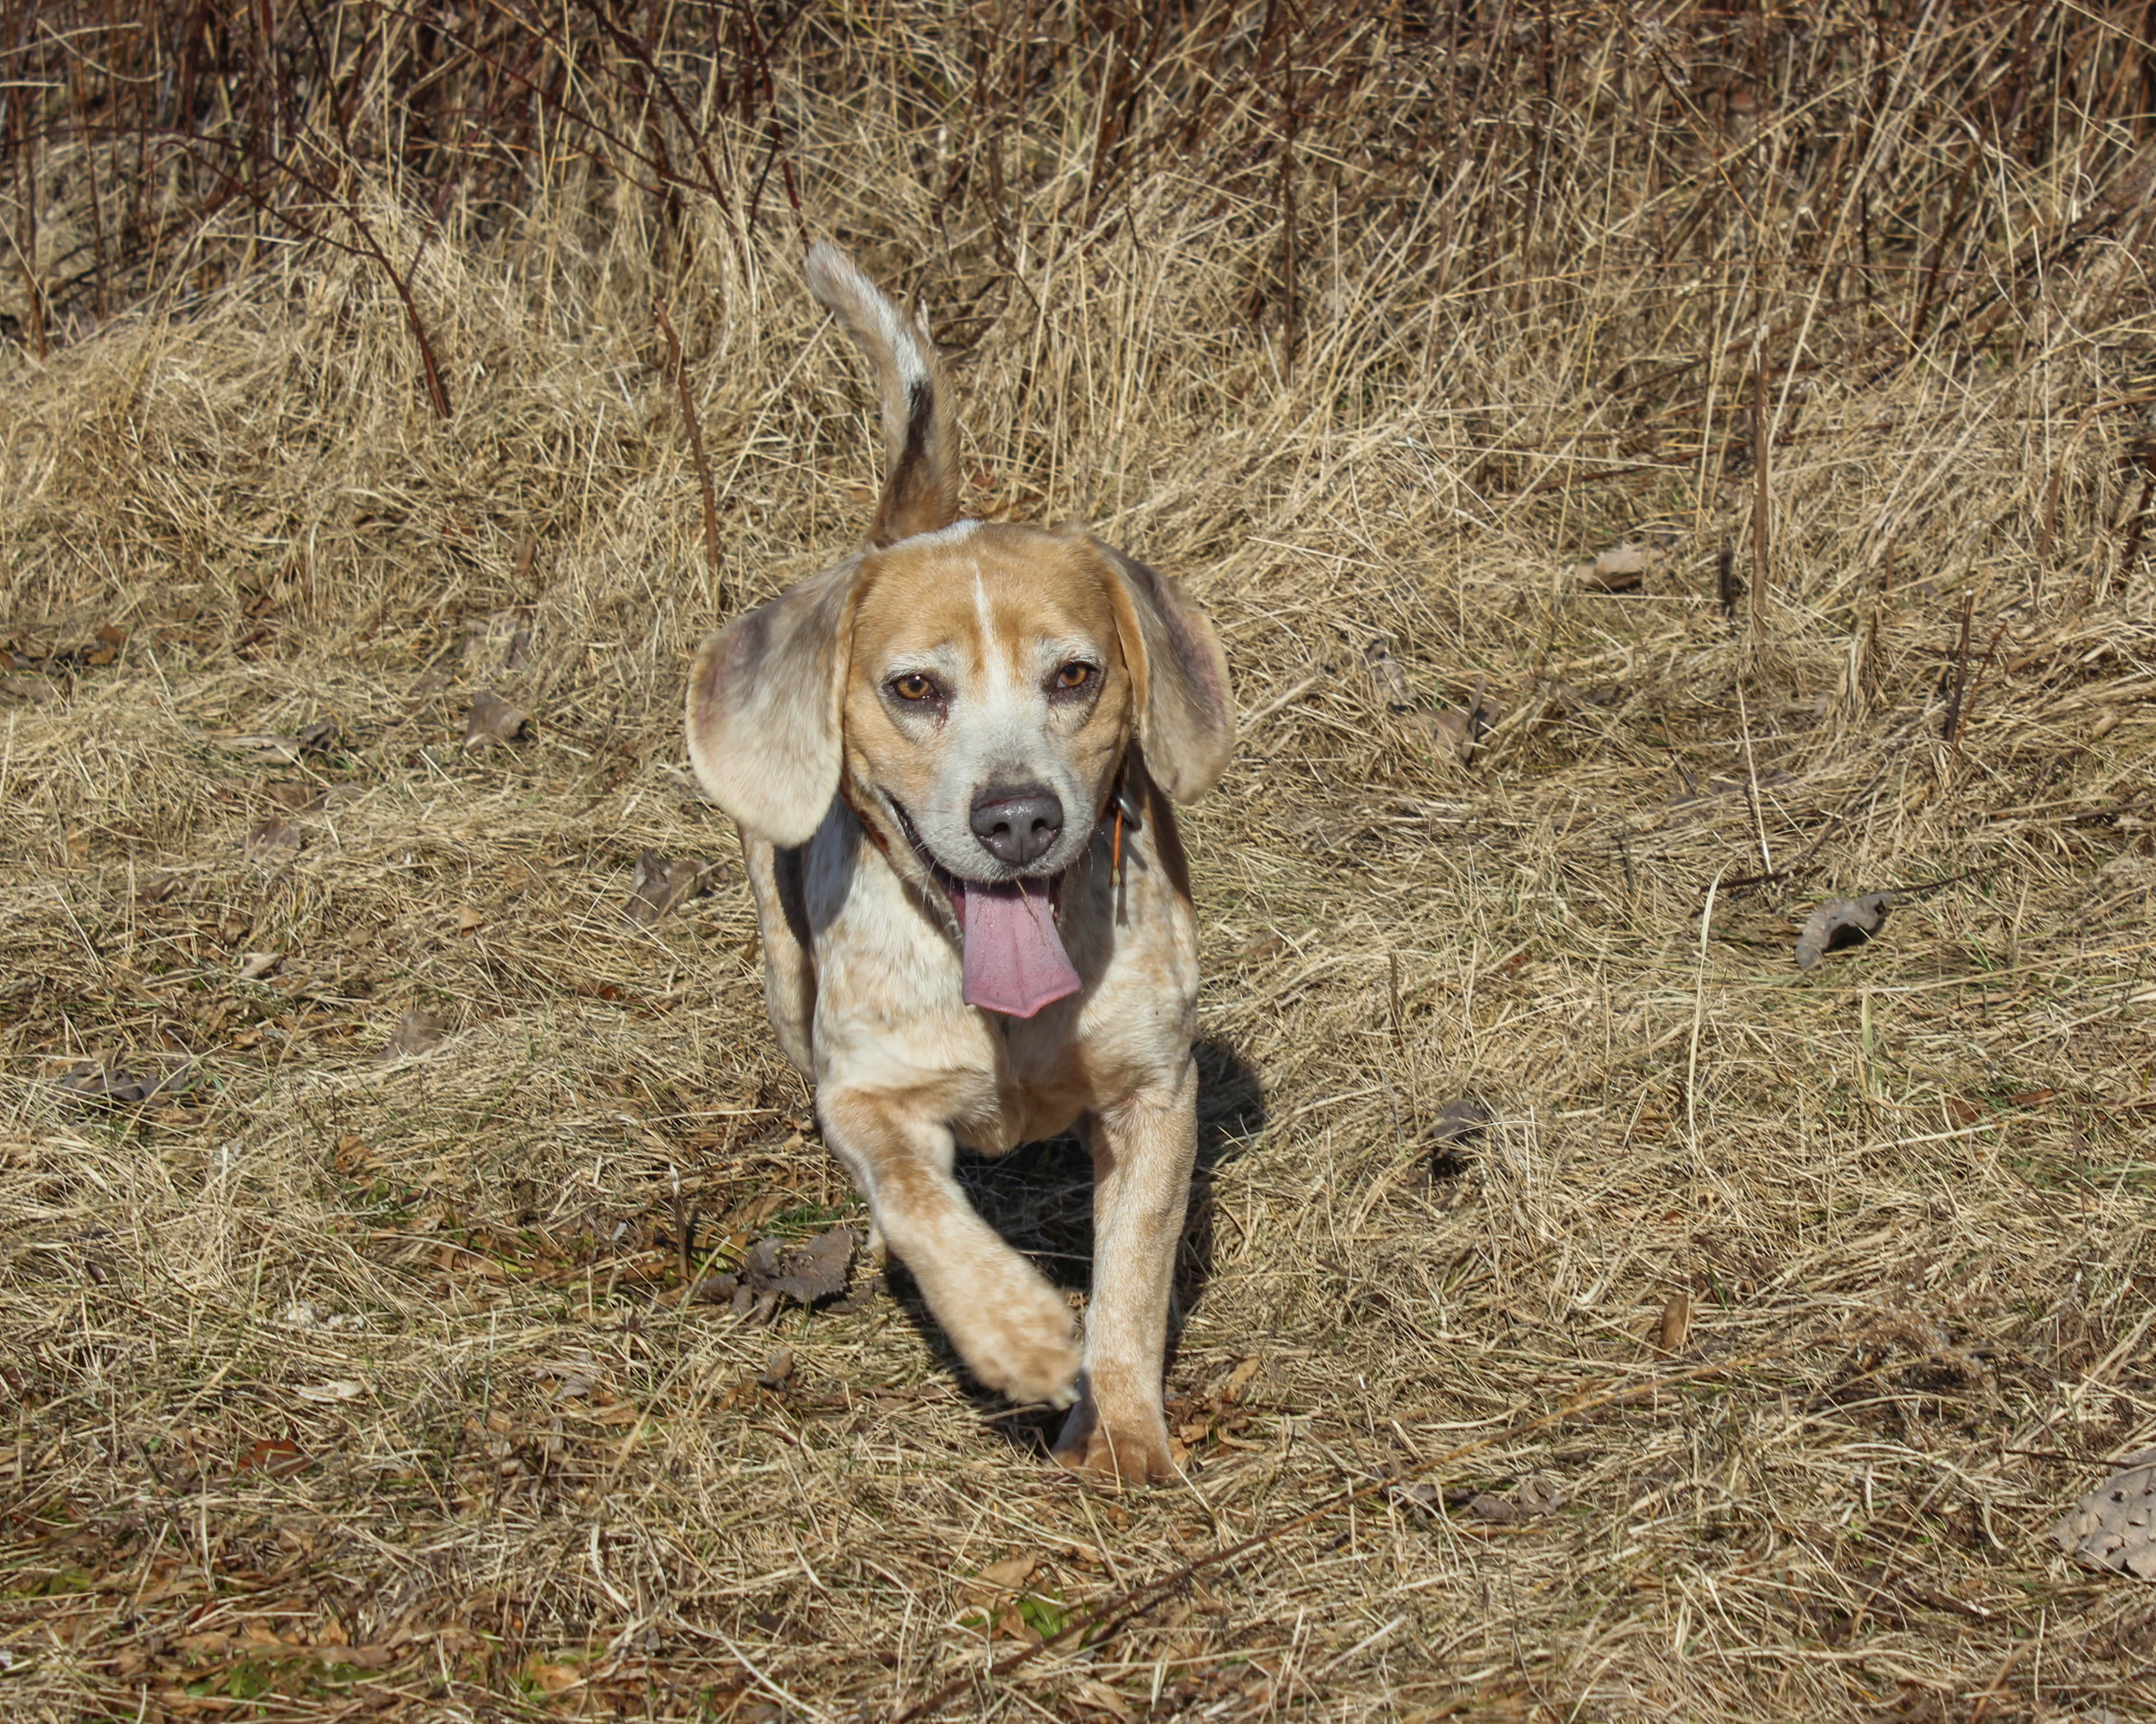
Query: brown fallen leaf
column 1622, row 569
column 1537, row 1494
column 2114, row 1526
column 1455, row 1126
column 735, row 1292
column 818, row 1269
column 272, row 837
column 1010, row 1624
column 416, row 1032
column 777, row 1369
column 92, row 1081
column 660, row 882
column 277, row 1458
column 1540, row 1493
column 550, row 1678
column 1462, row 732
column 1097, row 1693
column 1013, row 1572
column 491, row 720
column 1459, row 1120
column 1676, row 1321
column 1385, row 671
column 775, row 1270
column 524, row 873
column 1841, row 922
column 1456, row 731
column 352, row 1154
column 266, row 750
column 254, row 965
column 1238, row 1380
column 291, row 795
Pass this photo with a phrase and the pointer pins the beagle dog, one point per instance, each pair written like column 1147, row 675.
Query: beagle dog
column 953, row 757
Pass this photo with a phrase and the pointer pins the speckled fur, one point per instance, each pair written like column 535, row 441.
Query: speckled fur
column 840, row 786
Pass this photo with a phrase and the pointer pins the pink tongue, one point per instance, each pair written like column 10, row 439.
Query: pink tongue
column 1014, row 963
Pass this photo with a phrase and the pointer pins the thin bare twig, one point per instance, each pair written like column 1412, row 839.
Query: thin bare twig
column 697, row 453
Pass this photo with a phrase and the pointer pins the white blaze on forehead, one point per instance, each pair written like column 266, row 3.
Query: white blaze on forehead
column 998, row 724
column 990, row 647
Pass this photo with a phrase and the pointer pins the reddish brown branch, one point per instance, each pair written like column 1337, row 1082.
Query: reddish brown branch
column 695, row 452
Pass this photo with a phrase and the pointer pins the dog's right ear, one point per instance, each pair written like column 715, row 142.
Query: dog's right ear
column 764, row 697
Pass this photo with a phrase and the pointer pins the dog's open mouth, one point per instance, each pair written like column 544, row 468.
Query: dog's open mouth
column 1013, row 957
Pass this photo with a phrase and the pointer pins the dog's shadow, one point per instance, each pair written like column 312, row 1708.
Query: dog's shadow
column 1039, row 1197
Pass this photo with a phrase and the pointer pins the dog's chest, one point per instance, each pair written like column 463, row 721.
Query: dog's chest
column 887, row 1012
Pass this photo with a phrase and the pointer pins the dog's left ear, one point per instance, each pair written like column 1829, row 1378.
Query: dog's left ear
column 1186, row 711
column 763, row 708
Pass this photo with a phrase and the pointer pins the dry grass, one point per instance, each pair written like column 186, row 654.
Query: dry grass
column 338, row 1385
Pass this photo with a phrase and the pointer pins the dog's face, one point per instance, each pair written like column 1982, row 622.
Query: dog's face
column 978, row 686
column 988, row 697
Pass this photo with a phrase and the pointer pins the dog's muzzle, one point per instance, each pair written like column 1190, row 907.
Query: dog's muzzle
column 1014, row 958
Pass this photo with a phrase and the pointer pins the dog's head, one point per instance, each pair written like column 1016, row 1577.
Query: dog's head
column 977, row 689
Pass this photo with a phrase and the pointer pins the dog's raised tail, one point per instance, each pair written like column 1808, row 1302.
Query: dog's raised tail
column 920, row 442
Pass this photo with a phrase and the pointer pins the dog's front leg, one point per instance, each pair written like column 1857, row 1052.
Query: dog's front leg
column 1011, row 1327
column 1144, row 1152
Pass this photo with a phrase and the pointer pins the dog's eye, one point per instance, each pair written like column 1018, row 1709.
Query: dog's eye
column 1074, row 675
column 913, row 685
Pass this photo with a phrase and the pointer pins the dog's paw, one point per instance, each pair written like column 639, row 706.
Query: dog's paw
column 1025, row 1347
column 1116, row 1453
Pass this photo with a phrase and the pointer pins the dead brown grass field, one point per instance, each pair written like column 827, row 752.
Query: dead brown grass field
column 343, row 1382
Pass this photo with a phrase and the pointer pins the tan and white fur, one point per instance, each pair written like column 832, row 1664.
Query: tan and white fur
column 964, row 711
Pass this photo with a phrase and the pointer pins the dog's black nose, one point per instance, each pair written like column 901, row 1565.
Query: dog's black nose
column 1016, row 825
